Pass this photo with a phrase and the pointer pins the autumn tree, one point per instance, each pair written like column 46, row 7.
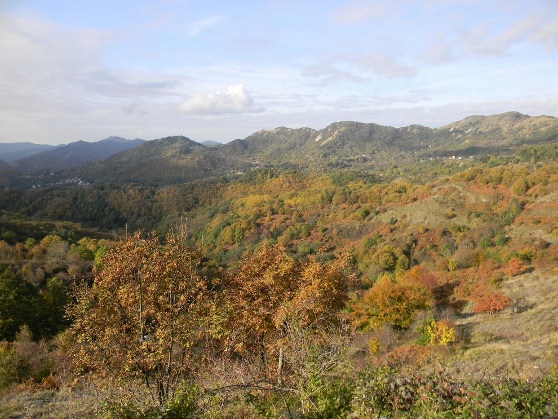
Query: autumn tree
column 140, row 321
column 270, row 293
column 391, row 301
column 515, row 267
column 420, row 275
column 488, row 300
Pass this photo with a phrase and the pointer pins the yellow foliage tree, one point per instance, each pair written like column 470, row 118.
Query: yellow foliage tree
column 390, row 301
column 441, row 332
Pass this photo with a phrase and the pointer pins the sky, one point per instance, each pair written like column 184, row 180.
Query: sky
column 220, row 70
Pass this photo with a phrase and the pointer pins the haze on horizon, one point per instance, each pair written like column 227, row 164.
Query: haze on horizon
column 220, row 70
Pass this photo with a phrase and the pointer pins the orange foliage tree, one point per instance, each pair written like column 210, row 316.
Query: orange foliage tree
column 515, row 267
column 141, row 320
column 420, row 275
column 489, row 301
column 270, row 292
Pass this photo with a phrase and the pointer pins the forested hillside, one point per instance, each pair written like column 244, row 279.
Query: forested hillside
column 75, row 154
column 324, row 275
column 359, row 146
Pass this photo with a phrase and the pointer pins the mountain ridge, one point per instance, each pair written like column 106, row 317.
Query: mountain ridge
column 10, row 152
column 76, row 154
column 344, row 144
column 340, row 144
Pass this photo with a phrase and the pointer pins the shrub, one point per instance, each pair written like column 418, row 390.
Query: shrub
column 373, row 346
column 451, row 265
column 488, row 301
column 24, row 360
column 441, row 332
column 515, row 267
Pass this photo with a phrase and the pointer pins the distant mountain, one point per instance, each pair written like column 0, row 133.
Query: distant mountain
column 165, row 160
column 210, row 143
column 341, row 144
column 14, row 151
column 77, row 154
column 349, row 142
column 510, row 129
column 345, row 144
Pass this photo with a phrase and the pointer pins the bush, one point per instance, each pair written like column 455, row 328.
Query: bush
column 515, row 267
column 184, row 404
column 436, row 332
column 8, row 366
column 327, row 397
column 487, row 301
column 24, row 360
column 389, row 393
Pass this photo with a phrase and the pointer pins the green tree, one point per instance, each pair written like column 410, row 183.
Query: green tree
column 51, row 308
column 17, row 304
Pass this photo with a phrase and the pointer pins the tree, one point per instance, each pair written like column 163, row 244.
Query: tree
column 141, row 319
column 390, row 301
column 387, row 258
column 489, row 301
column 52, row 301
column 270, row 293
column 420, row 275
column 17, row 304
column 515, row 267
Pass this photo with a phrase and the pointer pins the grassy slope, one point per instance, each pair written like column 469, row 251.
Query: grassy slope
column 520, row 341
column 515, row 342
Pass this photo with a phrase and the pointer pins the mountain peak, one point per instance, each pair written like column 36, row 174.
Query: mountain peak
column 114, row 138
column 77, row 153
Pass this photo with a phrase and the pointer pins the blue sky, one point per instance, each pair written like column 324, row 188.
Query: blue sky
column 220, row 70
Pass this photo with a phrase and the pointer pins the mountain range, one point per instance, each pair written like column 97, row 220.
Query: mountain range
column 76, row 154
column 10, row 152
column 178, row 159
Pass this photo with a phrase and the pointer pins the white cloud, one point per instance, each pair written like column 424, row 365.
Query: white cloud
column 493, row 37
column 193, row 28
column 234, row 99
column 439, row 51
column 33, row 50
column 327, row 74
column 133, row 108
column 386, row 65
column 547, row 33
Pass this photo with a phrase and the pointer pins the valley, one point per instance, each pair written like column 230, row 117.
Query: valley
column 354, row 271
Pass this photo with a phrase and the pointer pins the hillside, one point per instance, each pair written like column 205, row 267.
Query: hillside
column 360, row 146
column 401, row 281
column 464, row 254
column 10, row 152
column 164, row 161
column 76, row 154
column 501, row 132
column 359, row 142
column 340, row 145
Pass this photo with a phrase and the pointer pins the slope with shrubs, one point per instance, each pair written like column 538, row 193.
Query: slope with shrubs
column 307, row 294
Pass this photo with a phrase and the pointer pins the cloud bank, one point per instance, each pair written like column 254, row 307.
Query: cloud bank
column 234, row 99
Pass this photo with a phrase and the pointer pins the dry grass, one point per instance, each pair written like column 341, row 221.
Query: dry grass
column 520, row 341
column 63, row 404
